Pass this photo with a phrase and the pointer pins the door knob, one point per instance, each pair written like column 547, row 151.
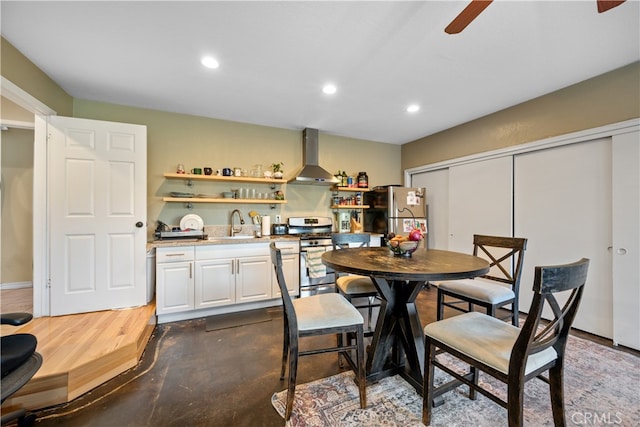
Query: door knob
column 139, row 224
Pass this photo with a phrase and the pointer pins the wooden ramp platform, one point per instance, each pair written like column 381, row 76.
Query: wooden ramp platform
column 82, row 351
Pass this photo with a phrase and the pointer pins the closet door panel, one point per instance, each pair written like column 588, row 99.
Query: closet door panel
column 437, row 185
column 562, row 203
column 480, row 201
column 626, row 239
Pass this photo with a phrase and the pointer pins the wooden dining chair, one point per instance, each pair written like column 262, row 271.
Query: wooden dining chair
column 505, row 256
column 352, row 285
column 512, row 355
column 322, row 314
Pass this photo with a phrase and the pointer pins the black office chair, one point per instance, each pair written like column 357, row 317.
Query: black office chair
column 19, row 362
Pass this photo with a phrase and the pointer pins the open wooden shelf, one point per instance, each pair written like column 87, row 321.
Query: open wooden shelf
column 349, row 206
column 218, row 178
column 223, row 200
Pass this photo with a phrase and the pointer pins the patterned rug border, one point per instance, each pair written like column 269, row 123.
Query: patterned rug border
column 592, row 397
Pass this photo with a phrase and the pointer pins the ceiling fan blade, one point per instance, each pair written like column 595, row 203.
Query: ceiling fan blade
column 465, row 17
column 604, row 5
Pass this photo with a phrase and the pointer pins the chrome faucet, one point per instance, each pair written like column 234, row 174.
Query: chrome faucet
column 233, row 228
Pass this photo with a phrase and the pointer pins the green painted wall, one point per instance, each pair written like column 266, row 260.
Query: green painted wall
column 19, row 70
column 200, row 141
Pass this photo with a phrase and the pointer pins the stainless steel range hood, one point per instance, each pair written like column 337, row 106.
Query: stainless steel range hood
column 311, row 172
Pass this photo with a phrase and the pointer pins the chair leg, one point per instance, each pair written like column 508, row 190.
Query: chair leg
column 293, row 371
column 285, row 349
column 440, row 305
column 362, row 379
column 475, row 377
column 339, row 342
column 515, row 401
column 556, row 388
column 427, row 384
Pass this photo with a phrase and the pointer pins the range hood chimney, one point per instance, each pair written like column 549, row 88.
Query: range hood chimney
column 311, row 172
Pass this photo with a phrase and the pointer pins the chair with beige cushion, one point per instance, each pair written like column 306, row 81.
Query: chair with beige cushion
column 351, row 285
column 504, row 351
column 497, row 289
column 322, row 314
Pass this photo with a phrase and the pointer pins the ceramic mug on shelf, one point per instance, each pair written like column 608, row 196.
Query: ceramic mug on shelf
column 196, row 171
column 227, row 172
column 208, row 171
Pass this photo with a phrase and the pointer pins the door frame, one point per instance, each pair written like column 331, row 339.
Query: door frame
column 40, row 225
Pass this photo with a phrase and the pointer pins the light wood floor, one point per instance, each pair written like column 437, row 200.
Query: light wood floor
column 79, row 351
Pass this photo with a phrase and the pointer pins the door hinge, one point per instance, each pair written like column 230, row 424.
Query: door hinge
column 49, row 283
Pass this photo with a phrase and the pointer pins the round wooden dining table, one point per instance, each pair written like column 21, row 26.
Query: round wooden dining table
column 398, row 340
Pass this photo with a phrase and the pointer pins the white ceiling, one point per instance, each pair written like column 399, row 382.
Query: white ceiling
column 276, row 56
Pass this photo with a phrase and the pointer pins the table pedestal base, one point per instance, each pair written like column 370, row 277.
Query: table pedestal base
column 398, row 342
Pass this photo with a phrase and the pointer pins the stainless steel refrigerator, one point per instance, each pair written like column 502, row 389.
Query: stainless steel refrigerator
column 395, row 209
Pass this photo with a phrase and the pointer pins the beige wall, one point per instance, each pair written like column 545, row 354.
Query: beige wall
column 13, row 112
column 17, row 206
column 199, row 142
column 610, row 98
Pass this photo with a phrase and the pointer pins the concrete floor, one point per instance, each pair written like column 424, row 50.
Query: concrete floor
column 188, row 376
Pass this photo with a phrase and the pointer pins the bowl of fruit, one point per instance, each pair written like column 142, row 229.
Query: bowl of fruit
column 404, row 245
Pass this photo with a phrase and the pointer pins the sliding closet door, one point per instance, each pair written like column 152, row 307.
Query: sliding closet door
column 480, row 201
column 437, row 186
column 626, row 239
column 562, row 203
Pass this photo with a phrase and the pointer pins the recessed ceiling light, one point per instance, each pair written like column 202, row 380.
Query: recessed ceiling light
column 413, row 108
column 210, row 62
column 329, row 89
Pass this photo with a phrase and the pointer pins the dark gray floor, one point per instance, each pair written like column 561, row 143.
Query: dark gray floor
column 188, row 376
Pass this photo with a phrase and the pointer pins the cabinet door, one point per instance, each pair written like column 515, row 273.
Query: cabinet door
column 174, row 287
column 253, row 278
column 214, row 283
column 291, row 270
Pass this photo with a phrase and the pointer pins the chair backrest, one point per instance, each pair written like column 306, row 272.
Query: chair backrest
column 289, row 312
column 536, row 336
column 343, row 240
column 505, row 256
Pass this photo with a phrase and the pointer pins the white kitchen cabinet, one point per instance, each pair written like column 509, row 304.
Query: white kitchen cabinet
column 214, row 283
column 174, row 279
column 233, row 273
column 290, row 252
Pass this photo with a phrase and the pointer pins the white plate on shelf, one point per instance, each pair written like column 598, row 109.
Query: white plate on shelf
column 192, row 222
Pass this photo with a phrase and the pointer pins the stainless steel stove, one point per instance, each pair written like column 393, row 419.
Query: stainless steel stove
column 314, row 232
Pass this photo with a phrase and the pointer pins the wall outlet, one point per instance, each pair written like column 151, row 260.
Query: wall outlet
column 278, row 219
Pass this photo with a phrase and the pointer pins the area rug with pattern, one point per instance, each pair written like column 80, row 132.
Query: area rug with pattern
column 602, row 387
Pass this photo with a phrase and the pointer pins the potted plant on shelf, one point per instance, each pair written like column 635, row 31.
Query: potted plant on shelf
column 277, row 169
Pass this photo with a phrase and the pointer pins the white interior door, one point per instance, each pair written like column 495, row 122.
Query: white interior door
column 97, row 215
column 563, row 205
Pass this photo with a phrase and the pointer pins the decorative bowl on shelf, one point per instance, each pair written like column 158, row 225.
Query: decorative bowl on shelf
column 403, row 248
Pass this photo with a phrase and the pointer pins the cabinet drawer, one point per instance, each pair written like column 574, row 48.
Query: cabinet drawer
column 185, row 253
